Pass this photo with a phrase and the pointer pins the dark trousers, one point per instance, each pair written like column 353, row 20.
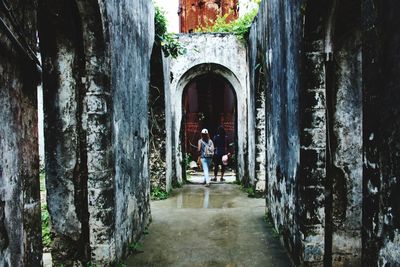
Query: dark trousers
column 218, row 161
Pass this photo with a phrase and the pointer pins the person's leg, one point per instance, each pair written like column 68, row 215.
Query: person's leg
column 222, row 172
column 205, row 164
column 215, row 168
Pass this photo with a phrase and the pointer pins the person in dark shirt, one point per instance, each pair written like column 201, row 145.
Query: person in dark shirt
column 220, row 150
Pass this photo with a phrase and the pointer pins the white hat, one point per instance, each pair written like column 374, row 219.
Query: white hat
column 204, row 131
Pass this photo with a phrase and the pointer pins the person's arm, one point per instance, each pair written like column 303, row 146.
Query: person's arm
column 199, row 146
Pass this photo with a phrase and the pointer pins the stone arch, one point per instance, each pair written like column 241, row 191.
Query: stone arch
column 179, row 86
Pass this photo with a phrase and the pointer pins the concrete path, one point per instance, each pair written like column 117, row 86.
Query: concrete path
column 216, row 226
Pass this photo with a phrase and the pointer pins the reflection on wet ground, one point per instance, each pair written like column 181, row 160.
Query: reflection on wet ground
column 202, row 198
column 216, row 226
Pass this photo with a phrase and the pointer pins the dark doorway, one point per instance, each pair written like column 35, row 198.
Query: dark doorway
column 208, row 102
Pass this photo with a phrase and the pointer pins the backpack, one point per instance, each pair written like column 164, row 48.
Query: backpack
column 208, row 149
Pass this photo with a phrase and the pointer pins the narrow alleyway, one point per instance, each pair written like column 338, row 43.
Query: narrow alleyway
column 216, row 226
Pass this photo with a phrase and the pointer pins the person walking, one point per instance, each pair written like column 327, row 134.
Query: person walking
column 220, row 151
column 205, row 147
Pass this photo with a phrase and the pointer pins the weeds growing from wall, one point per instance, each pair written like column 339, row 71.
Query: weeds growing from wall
column 168, row 42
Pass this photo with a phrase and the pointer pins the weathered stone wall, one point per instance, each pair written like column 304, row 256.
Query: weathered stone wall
column 132, row 38
column 284, row 27
column 313, row 125
column 96, row 71
column 224, row 55
column 274, row 46
column 313, row 112
column 20, row 231
column 257, row 45
column 344, row 108
column 65, row 139
column 381, row 132
column 335, row 211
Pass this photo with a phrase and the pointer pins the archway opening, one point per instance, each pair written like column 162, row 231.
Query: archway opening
column 209, row 101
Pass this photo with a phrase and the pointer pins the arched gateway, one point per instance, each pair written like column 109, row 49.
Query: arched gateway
column 205, row 57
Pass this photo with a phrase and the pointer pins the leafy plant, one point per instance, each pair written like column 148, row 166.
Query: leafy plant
column 250, row 192
column 186, row 160
column 240, row 27
column 146, row 231
column 46, row 235
column 268, row 220
column 135, row 247
column 168, row 42
column 158, row 194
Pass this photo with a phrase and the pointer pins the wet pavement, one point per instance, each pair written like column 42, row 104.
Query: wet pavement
column 216, row 226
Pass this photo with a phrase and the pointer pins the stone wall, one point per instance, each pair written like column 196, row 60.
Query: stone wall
column 381, row 129
column 257, row 101
column 313, row 127
column 283, row 136
column 96, row 70
column 20, row 231
column 132, row 36
column 344, row 108
column 65, row 138
column 274, row 45
column 331, row 182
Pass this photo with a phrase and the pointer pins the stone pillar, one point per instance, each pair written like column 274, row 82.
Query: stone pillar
column 312, row 159
column 96, row 78
column 65, row 136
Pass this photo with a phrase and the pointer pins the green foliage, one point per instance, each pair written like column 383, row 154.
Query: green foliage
column 237, row 182
column 187, row 158
column 146, row 231
column 250, row 192
column 240, row 27
column 158, row 194
column 135, row 247
column 46, row 235
column 168, row 42
column 270, row 224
